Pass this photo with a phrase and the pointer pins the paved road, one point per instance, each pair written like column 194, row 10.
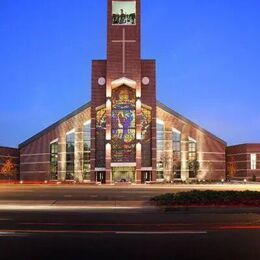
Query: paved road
column 127, row 234
column 102, row 193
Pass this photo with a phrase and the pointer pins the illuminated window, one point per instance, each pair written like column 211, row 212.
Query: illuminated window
column 176, row 148
column 70, row 155
column 101, row 138
column 192, row 156
column 146, row 137
column 192, row 150
column 253, row 161
column 123, row 125
column 160, row 150
column 86, row 150
column 54, row 160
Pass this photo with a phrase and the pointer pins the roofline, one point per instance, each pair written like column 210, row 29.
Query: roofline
column 169, row 110
column 244, row 144
column 7, row 147
column 75, row 112
column 87, row 105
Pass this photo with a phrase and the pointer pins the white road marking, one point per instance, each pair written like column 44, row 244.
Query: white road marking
column 160, row 232
column 67, row 196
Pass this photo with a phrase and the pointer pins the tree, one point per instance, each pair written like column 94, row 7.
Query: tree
column 210, row 168
column 8, row 170
column 176, row 165
column 231, row 168
column 194, row 167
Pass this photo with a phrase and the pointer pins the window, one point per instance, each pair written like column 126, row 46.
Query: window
column 146, row 137
column 70, row 155
column 176, row 156
column 193, row 164
column 54, row 160
column 101, row 138
column 123, row 125
column 123, row 13
column 192, row 150
column 253, row 161
column 86, row 150
column 160, row 149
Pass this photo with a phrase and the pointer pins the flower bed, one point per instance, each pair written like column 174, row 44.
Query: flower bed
column 209, row 198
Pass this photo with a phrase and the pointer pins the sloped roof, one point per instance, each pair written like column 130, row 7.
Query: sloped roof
column 74, row 113
column 176, row 114
column 82, row 108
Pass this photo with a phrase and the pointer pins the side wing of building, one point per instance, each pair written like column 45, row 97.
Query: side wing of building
column 184, row 143
column 47, row 153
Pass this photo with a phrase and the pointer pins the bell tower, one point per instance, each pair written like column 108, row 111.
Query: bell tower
column 123, row 102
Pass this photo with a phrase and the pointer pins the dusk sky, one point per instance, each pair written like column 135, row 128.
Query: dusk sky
column 207, row 52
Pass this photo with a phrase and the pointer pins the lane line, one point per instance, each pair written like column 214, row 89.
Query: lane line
column 161, row 232
column 31, row 232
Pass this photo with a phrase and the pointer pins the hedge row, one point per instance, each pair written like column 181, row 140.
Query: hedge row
column 249, row 198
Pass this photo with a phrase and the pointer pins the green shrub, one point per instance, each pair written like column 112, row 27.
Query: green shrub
column 209, row 198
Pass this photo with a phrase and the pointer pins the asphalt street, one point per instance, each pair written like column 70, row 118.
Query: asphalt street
column 127, row 234
column 114, row 222
column 102, row 193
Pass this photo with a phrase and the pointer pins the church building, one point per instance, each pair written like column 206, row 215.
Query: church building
column 123, row 134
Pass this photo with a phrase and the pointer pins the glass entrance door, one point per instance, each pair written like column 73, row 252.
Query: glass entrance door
column 101, row 177
column 124, row 174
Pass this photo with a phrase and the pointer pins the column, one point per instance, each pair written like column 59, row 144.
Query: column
column 62, row 158
column 78, row 176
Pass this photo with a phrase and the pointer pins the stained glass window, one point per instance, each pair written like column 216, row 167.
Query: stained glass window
column 123, row 125
column 146, row 137
column 101, row 138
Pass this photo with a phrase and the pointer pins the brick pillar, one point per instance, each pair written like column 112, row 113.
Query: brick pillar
column 168, row 154
column 62, row 158
column 184, row 158
column 78, row 175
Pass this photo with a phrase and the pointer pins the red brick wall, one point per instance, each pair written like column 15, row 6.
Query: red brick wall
column 210, row 148
column 240, row 154
column 35, row 156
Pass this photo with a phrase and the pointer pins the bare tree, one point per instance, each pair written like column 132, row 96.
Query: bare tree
column 9, row 169
column 231, row 168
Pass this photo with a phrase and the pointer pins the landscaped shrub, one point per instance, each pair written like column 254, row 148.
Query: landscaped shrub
column 209, row 198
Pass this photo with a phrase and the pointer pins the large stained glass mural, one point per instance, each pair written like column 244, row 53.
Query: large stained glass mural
column 101, row 137
column 146, row 137
column 123, row 125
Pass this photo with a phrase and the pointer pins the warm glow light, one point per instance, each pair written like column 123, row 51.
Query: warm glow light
column 108, row 104
column 138, row 136
column 138, row 147
column 138, row 104
column 138, row 93
column 108, row 136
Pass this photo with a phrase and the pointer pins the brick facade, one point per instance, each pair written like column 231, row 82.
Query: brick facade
column 124, row 67
column 240, row 157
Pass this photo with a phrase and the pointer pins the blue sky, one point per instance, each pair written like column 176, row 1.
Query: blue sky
column 207, row 52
